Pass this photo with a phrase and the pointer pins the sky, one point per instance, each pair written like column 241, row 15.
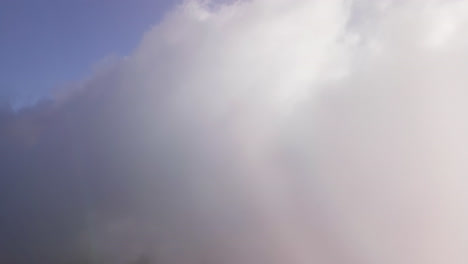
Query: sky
column 251, row 131
column 46, row 45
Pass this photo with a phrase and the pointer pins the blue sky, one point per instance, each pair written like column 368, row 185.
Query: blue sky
column 46, row 44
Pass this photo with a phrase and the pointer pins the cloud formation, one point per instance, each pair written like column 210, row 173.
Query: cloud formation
column 262, row 131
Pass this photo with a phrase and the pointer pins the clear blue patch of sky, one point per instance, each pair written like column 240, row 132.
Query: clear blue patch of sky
column 47, row 43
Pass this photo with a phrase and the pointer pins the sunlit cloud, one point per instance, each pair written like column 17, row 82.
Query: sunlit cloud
column 261, row 131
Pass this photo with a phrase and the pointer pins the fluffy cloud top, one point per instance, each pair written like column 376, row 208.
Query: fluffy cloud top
column 262, row 131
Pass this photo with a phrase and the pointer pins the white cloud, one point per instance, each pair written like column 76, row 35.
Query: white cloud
column 278, row 131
